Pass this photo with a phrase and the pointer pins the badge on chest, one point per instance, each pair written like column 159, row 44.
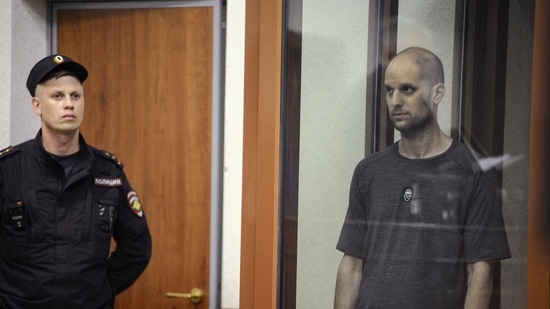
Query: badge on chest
column 18, row 215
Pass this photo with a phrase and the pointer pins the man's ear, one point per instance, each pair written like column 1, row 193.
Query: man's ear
column 36, row 106
column 438, row 91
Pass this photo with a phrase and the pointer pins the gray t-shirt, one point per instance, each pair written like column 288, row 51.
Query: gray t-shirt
column 417, row 223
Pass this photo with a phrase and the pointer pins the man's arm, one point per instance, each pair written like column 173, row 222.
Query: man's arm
column 129, row 259
column 480, row 285
column 348, row 279
column 133, row 241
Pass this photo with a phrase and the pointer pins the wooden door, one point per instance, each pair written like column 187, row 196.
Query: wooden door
column 149, row 101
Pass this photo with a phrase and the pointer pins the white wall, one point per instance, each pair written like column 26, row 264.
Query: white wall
column 5, row 72
column 233, row 140
column 23, row 29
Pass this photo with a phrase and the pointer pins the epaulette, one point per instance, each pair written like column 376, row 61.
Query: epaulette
column 110, row 156
column 8, row 151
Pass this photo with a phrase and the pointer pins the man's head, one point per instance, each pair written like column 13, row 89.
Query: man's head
column 47, row 67
column 414, row 88
column 55, row 84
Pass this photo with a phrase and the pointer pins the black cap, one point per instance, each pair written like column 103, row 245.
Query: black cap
column 54, row 63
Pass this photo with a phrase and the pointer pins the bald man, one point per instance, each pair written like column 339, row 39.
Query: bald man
column 424, row 222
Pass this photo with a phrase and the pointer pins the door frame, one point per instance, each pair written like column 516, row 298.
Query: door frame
column 261, row 170
column 216, row 185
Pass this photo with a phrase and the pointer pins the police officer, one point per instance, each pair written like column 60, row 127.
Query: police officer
column 61, row 203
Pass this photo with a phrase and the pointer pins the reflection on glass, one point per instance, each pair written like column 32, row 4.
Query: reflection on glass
column 334, row 54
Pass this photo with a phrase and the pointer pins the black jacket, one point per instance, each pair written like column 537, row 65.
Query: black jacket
column 55, row 231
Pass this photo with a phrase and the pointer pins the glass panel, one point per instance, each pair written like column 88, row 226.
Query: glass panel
column 332, row 128
column 334, row 72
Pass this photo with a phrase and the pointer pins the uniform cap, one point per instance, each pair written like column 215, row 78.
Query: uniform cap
column 54, row 63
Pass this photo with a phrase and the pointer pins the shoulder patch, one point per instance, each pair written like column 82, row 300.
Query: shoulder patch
column 109, row 156
column 135, row 203
column 7, row 151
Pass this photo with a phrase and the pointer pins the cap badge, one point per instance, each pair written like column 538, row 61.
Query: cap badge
column 58, row 59
column 407, row 196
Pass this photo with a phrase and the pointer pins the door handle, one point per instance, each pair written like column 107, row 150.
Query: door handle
column 195, row 296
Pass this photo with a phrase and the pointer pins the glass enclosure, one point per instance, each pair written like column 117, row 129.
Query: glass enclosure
column 331, row 119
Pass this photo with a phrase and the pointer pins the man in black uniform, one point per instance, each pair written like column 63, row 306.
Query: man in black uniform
column 61, row 202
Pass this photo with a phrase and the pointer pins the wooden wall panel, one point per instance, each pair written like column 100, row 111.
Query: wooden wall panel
column 262, row 102
column 538, row 255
